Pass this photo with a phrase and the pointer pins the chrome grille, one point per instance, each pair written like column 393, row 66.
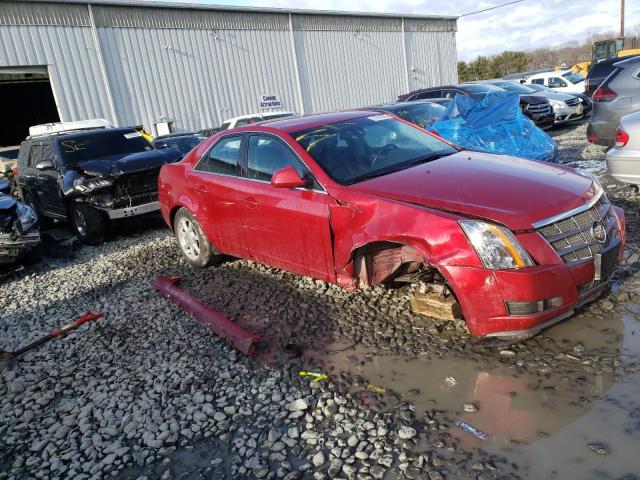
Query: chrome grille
column 540, row 108
column 573, row 102
column 572, row 237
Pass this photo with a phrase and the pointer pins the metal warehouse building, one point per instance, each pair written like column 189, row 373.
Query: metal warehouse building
column 194, row 65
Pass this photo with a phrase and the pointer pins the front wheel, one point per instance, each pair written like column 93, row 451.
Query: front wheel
column 195, row 247
column 89, row 224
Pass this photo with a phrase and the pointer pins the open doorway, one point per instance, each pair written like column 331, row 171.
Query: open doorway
column 27, row 99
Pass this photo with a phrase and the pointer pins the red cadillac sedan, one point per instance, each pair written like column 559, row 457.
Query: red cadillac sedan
column 357, row 198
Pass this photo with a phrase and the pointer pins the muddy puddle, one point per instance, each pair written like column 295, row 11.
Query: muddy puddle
column 543, row 421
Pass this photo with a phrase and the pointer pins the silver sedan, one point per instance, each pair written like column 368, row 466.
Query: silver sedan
column 623, row 159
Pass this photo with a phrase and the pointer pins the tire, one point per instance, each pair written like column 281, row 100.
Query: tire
column 193, row 244
column 89, row 224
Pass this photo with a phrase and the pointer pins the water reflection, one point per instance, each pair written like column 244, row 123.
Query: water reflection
column 543, row 420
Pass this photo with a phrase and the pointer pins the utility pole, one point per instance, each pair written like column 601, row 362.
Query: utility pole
column 621, row 18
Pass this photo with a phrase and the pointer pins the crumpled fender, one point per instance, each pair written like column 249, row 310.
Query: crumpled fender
column 357, row 220
column 66, row 183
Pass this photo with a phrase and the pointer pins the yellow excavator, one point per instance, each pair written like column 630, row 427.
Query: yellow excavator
column 602, row 49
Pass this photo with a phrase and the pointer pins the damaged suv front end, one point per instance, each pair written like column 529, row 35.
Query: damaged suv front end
column 19, row 235
column 91, row 177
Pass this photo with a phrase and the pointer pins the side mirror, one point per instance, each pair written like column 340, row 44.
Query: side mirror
column 287, row 177
column 44, row 165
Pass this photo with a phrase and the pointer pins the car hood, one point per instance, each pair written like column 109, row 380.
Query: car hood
column 116, row 165
column 507, row 190
column 562, row 97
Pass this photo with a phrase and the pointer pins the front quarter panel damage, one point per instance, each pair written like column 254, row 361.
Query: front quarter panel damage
column 358, row 220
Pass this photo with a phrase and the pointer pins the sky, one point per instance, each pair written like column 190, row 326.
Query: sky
column 525, row 25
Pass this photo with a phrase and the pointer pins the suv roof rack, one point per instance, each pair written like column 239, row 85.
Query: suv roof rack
column 64, row 127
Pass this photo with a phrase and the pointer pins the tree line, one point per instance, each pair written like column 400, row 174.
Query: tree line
column 497, row 66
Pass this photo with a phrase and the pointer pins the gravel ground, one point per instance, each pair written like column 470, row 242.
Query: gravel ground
column 148, row 392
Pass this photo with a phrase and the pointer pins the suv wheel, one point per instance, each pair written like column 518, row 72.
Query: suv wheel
column 195, row 247
column 89, row 224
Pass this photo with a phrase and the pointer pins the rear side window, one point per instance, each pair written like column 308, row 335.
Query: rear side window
column 247, row 121
column 35, row 156
column 222, row 158
column 268, row 155
column 538, row 81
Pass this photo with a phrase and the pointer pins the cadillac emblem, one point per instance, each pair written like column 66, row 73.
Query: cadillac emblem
column 599, row 232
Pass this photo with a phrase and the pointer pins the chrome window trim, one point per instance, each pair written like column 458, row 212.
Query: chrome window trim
column 570, row 213
column 208, row 151
column 287, row 146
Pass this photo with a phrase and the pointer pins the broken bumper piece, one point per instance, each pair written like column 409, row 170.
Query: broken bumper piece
column 210, row 318
column 133, row 211
column 13, row 249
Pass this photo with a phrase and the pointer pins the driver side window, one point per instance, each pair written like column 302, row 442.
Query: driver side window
column 555, row 82
column 266, row 156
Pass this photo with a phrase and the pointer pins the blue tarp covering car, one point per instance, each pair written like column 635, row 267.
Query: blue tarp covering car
column 494, row 123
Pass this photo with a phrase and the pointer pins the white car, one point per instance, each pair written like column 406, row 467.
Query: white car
column 623, row 159
column 562, row 81
column 254, row 118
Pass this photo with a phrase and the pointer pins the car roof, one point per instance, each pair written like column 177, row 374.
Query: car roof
column 177, row 135
column 553, row 73
column 259, row 114
column 393, row 105
column 86, row 133
column 294, row 124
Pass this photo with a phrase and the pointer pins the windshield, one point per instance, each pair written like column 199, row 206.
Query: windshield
column 573, row 77
column 515, row 87
column 368, row 147
column 183, row 144
column 421, row 114
column 480, row 88
column 89, row 146
column 539, row 88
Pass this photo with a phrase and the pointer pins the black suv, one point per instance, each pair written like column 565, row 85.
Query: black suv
column 90, row 177
column 536, row 107
column 599, row 71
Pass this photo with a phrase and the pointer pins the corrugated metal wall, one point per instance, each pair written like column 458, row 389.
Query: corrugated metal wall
column 70, row 57
column 198, row 67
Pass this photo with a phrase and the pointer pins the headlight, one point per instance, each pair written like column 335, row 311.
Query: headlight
column 496, row 246
column 27, row 218
column 557, row 104
column 87, row 185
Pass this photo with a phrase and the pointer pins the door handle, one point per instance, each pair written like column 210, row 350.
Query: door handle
column 250, row 201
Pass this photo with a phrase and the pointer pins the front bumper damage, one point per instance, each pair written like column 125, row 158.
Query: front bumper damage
column 521, row 303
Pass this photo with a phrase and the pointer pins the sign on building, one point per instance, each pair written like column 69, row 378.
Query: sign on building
column 270, row 101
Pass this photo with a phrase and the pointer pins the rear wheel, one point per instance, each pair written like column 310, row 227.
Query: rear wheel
column 195, row 247
column 89, row 224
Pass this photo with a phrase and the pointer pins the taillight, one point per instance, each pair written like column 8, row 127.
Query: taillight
column 622, row 137
column 14, row 170
column 604, row 94
column 592, row 137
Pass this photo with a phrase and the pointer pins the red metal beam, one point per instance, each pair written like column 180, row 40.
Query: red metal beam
column 210, row 318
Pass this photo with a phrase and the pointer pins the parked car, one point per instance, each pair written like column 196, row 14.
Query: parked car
column 19, row 234
column 8, row 157
column 584, row 98
column 89, row 177
column 617, row 96
column 566, row 107
column 535, row 107
column 623, row 159
column 562, row 81
column 254, row 118
column 360, row 197
column 183, row 142
column 420, row 112
column 599, row 71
